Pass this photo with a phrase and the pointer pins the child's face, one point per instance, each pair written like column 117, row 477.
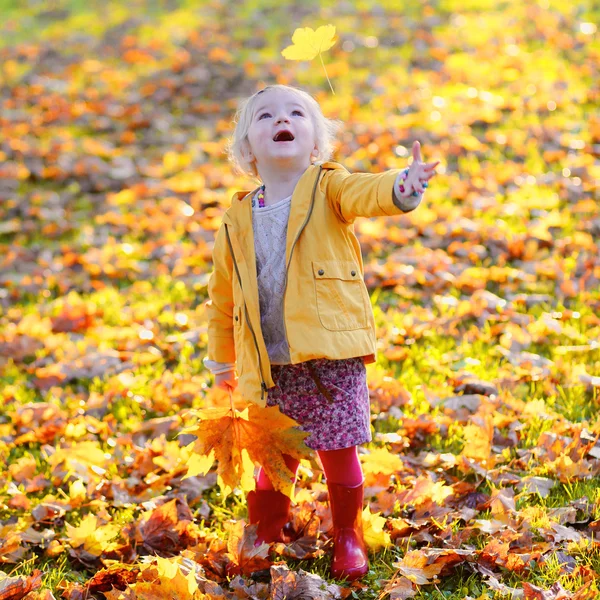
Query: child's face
column 281, row 133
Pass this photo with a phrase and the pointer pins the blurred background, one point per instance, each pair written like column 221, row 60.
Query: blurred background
column 115, row 117
column 114, row 120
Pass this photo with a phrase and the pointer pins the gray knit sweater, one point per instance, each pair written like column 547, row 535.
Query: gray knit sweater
column 270, row 232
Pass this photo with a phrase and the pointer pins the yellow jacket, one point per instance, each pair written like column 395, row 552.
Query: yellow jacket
column 327, row 309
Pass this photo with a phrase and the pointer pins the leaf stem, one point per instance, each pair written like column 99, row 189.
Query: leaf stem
column 324, row 69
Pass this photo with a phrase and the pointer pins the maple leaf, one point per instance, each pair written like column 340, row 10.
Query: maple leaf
column 117, row 577
column 163, row 529
column 92, row 537
column 556, row 592
column 15, row 588
column 82, row 457
column 279, row 435
column 181, row 586
column 308, row 43
column 286, row 584
column 383, row 461
column 414, row 567
column 400, row 588
column 237, row 440
column 478, row 440
column 246, row 557
column 373, row 533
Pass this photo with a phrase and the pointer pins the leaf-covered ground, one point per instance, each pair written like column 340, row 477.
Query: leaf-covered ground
column 485, row 461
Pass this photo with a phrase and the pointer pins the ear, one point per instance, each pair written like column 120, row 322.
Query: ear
column 315, row 152
column 246, row 151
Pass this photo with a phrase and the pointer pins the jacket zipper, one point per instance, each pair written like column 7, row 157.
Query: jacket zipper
column 312, row 201
column 263, row 385
column 310, row 368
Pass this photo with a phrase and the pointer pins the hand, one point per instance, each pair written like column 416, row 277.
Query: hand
column 418, row 172
column 226, row 381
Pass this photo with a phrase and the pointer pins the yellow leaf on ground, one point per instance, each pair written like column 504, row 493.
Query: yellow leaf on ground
column 381, row 460
column 172, row 579
column 373, row 533
column 478, row 440
column 94, row 538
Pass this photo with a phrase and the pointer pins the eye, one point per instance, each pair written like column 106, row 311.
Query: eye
column 299, row 112
column 262, row 115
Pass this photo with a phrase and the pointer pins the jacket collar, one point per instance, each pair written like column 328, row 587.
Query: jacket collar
column 240, row 211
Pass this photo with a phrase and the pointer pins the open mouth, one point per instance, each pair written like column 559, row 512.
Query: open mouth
column 283, row 136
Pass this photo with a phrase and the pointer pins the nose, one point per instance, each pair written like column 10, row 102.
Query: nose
column 281, row 118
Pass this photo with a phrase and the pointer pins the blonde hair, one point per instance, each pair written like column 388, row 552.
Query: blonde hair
column 325, row 129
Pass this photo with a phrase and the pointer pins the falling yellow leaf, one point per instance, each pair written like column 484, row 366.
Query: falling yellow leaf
column 308, row 43
column 478, row 440
column 82, row 457
column 185, row 585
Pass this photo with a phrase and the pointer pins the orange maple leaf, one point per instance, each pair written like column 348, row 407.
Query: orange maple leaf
column 238, row 439
column 414, row 567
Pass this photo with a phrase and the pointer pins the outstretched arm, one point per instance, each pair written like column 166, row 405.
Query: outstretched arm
column 353, row 195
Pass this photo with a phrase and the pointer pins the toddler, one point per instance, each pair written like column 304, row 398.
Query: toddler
column 288, row 312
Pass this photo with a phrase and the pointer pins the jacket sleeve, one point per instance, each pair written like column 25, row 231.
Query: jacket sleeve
column 354, row 195
column 221, row 347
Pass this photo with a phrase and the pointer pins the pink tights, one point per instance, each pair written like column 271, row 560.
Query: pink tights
column 340, row 466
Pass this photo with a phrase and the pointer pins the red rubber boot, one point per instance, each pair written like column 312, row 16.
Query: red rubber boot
column 270, row 509
column 349, row 551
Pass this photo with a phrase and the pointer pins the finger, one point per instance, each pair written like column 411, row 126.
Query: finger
column 431, row 165
column 416, row 151
column 426, row 173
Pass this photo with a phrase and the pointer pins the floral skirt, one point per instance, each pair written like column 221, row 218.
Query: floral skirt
column 328, row 398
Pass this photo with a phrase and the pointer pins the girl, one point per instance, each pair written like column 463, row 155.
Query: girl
column 288, row 309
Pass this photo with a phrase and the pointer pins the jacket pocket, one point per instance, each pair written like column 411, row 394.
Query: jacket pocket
column 342, row 298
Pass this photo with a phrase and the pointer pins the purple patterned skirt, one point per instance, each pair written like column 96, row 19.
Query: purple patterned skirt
column 328, row 398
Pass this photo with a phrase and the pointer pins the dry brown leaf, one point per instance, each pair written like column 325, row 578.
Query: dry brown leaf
column 15, row 588
column 300, row 585
column 245, row 556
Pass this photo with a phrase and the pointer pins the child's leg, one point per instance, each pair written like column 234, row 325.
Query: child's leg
column 268, row 508
column 342, row 466
column 345, row 484
column 264, row 483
